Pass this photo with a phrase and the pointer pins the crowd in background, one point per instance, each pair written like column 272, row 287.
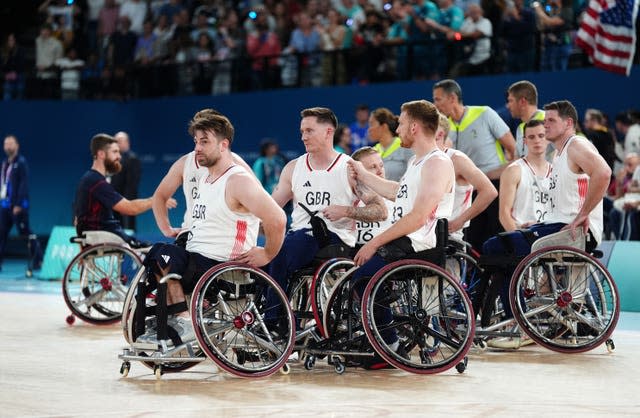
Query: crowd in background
column 118, row 49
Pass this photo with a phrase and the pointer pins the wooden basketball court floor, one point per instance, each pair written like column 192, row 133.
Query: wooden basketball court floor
column 50, row 369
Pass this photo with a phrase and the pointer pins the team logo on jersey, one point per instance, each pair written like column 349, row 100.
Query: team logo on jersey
column 307, row 184
column 193, row 180
column 166, row 258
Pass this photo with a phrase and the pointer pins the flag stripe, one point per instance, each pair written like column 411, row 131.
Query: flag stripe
column 608, row 35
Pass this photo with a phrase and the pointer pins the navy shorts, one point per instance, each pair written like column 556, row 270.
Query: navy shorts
column 170, row 258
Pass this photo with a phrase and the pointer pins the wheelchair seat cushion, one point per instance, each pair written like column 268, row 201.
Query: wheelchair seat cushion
column 332, row 251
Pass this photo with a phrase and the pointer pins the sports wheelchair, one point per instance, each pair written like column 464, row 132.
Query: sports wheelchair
column 96, row 280
column 228, row 308
column 430, row 313
column 561, row 297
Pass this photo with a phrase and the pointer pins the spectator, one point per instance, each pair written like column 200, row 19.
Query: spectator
column 122, row 45
column 449, row 21
column 230, row 46
column 12, row 66
column 70, row 73
column 597, row 132
column 203, row 26
column 48, row 50
column 398, row 36
column 107, row 23
column 305, row 40
column 263, row 46
column 269, row 165
column 170, row 8
column 519, row 31
column 478, row 30
column 333, row 34
column 555, row 20
column 342, row 139
column 421, row 36
column 623, row 216
column 203, row 67
column 127, row 180
column 359, row 128
column 136, row 11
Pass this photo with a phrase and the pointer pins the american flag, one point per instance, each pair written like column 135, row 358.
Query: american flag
column 608, row 34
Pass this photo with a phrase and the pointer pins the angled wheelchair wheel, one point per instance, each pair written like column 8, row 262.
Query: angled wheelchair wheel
column 465, row 268
column 242, row 320
column 327, row 275
column 564, row 299
column 425, row 309
column 96, row 281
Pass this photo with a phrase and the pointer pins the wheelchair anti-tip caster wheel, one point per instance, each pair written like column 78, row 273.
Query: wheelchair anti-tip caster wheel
column 28, row 273
column 309, row 362
column 124, row 368
column 610, row 345
column 70, row 319
column 286, row 369
column 157, row 371
column 339, row 367
column 462, row 366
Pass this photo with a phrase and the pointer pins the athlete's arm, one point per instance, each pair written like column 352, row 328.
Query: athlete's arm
column 244, row 191
column 383, row 187
column 584, row 156
column 165, row 190
column 132, row 207
column 486, row 192
column 509, row 181
column 435, row 180
column 283, row 192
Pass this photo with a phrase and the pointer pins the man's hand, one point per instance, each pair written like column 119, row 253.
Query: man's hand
column 171, row 203
column 17, row 210
column 365, row 253
column 335, row 212
column 581, row 221
column 356, row 169
column 255, row 257
column 171, row 232
column 455, row 225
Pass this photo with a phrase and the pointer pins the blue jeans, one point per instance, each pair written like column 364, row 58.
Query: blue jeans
column 555, row 57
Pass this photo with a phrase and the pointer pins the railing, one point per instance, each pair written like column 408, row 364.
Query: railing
column 359, row 65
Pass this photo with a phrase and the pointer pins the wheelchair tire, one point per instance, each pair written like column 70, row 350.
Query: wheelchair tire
column 564, row 299
column 234, row 325
column 429, row 312
column 326, row 277
column 96, row 282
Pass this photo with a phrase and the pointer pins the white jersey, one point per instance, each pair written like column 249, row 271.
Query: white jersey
column 317, row 189
column 532, row 203
column 425, row 237
column 462, row 197
column 367, row 230
column 191, row 174
column 568, row 190
column 217, row 232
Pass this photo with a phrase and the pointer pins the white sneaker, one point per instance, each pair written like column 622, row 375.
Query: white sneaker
column 510, row 342
column 183, row 327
